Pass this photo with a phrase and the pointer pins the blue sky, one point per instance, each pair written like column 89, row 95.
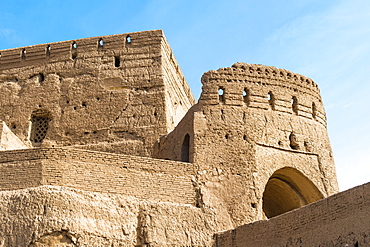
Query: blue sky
column 327, row 41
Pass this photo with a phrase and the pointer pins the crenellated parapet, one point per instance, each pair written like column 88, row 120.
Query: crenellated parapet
column 80, row 48
column 263, row 87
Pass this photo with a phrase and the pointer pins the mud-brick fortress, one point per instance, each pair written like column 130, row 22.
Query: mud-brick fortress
column 103, row 144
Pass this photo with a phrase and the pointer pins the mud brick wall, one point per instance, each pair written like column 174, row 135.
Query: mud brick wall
column 254, row 123
column 116, row 93
column 339, row 220
column 20, row 174
column 144, row 178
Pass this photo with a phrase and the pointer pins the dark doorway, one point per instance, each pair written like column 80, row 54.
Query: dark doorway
column 185, row 149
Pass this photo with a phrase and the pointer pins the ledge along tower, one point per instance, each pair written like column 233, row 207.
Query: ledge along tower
column 109, row 133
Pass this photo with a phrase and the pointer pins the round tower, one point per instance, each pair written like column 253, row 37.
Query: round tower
column 266, row 130
column 259, row 139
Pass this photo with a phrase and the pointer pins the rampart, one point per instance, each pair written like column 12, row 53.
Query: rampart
column 342, row 219
column 141, row 177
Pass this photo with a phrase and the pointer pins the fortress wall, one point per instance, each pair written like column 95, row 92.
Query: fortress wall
column 134, row 162
column 144, row 178
column 342, row 219
column 165, row 187
column 178, row 95
column 20, row 174
column 111, row 97
column 62, row 51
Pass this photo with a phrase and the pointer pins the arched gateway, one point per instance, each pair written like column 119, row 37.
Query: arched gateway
column 288, row 189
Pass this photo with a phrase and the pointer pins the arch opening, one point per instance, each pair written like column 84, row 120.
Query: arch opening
column 295, row 104
column 47, row 51
column 246, row 94
column 221, row 93
column 128, row 40
column 185, row 149
column 23, row 54
column 74, row 50
column 288, row 189
column 314, row 110
column 271, row 100
column 117, row 61
column 100, row 43
column 293, row 141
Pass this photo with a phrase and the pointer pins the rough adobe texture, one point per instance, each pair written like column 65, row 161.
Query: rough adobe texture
column 115, row 93
column 173, row 172
column 339, row 220
column 255, row 124
column 101, row 172
column 59, row 216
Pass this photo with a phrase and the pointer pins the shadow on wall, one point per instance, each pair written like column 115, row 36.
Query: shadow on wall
column 288, row 189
